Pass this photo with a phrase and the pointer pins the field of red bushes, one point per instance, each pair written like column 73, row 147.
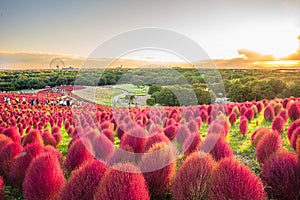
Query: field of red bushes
column 236, row 151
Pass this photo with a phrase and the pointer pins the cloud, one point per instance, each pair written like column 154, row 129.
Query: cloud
column 255, row 56
column 295, row 55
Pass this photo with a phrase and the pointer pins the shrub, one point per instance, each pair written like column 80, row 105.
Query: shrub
column 283, row 114
column 103, row 147
column 294, row 111
column 158, row 138
column 182, row 134
column 34, row 136
column 191, row 144
column 57, row 137
column 7, row 155
column 120, row 130
column 4, row 140
column 292, row 127
column 281, row 175
column 278, row 124
column 269, row 113
column 269, row 144
column 136, row 138
column 44, row 178
column 77, row 155
column 193, row 179
column 119, row 183
column 219, row 127
column 233, row 180
column 298, row 148
column 236, row 110
column 13, row 133
column 203, row 115
column 193, row 126
column 19, row 166
column 123, row 155
column 295, row 136
column 257, row 134
column 249, row 114
column 159, row 166
column 243, row 126
column 55, row 152
column 48, row 139
column 1, row 188
column 277, row 108
column 109, row 134
column 84, row 181
column 255, row 110
column 217, row 146
column 232, row 118
column 170, row 131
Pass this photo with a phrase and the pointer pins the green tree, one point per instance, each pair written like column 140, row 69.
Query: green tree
column 154, row 88
column 150, row 101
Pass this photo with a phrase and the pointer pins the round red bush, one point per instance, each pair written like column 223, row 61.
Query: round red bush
column 7, row 155
column 44, row 178
column 221, row 127
column 170, row 131
column 4, row 140
column 48, row 139
column 233, row 180
column 269, row 144
column 191, row 144
column 84, row 181
column 34, row 136
column 232, row 118
column 243, row 126
column 103, row 147
column 193, row 179
column 298, row 148
column 295, row 136
column 182, row 134
column 281, row 176
column 292, row 127
column 217, row 146
column 1, row 189
column 158, row 166
column 203, row 115
column 283, row 114
column 269, row 113
column 257, row 134
column 120, row 184
column 13, row 133
column 158, row 138
column 22, row 160
column 294, row 111
column 278, row 124
column 136, row 138
column 77, row 155
column 249, row 114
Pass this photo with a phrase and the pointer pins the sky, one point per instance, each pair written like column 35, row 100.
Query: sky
column 225, row 29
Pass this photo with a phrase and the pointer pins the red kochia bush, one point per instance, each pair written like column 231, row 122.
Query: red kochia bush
column 193, row 179
column 55, row 152
column 159, row 166
column 278, row 124
column 232, row 118
column 269, row 144
column 217, row 146
column 170, row 131
column 249, row 114
column 34, row 136
column 243, row 126
column 119, row 183
column 203, row 115
column 281, row 175
column 160, row 137
column 269, row 113
column 44, row 178
column 233, row 180
column 219, row 127
column 191, row 144
column 18, row 169
column 294, row 111
column 283, row 114
column 1, row 189
column 136, row 138
column 7, row 155
column 103, row 147
column 13, row 133
column 295, row 136
column 257, row 134
column 77, row 155
column 182, row 134
column 292, row 127
column 84, row 181
column 298, row 148
column 4, row 140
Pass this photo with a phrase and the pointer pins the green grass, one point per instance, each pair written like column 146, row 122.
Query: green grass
column 142, row 91
column 63, row 145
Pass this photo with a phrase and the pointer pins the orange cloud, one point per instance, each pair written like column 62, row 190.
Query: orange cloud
column 255, row 56
column 295, row 55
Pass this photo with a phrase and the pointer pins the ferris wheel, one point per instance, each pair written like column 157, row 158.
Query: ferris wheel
column 57, row 64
